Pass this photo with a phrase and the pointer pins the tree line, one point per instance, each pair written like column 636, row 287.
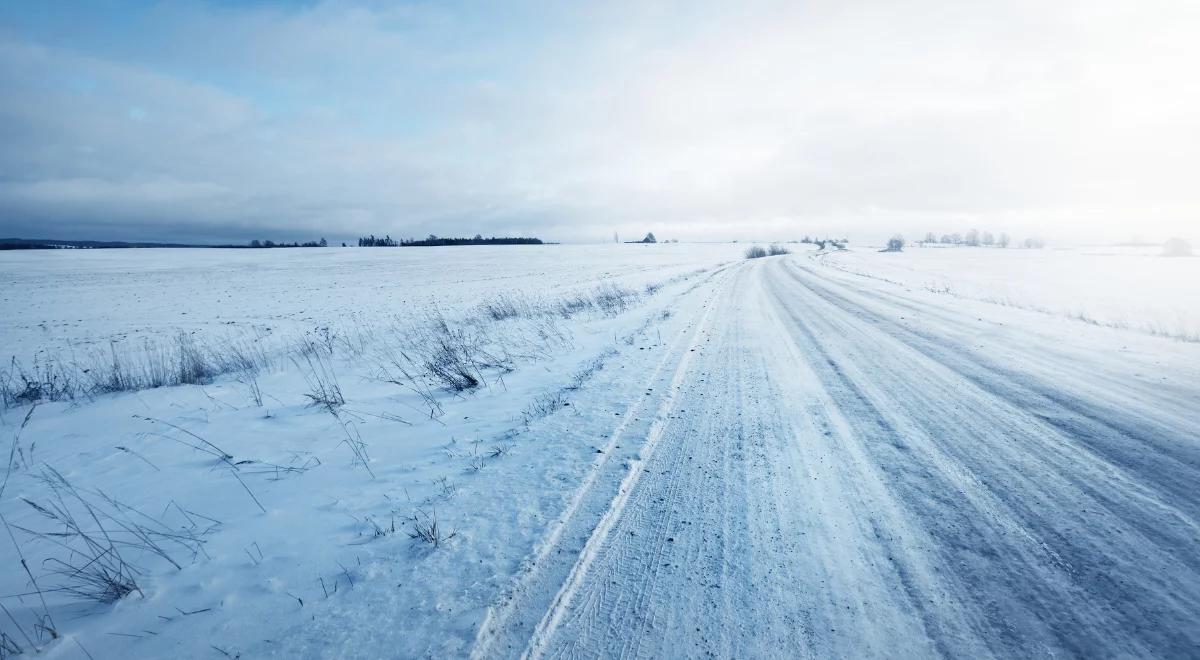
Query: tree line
column 432, row 240
column 272, row 244
column 838, row 243
column 973, row 238
column 976, row 238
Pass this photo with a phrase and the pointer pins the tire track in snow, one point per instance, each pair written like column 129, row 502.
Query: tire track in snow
column 1085, row 546
column 1081, row 370
column 743, row 544
column 502, row 620
column 1109, row 443
column 570, row 587
column 827, row 482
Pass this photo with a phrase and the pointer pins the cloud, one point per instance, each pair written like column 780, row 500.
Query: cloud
column 695, row 120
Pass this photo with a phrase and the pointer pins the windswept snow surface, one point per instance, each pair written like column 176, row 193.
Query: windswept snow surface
column 1124, row 287
column 62, row 302
column 768, row 458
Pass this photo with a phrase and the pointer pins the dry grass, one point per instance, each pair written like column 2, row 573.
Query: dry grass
column 183, row 360
column 431, row 353
column 425, row 528
column 323, row 387
column 544, row 405
column 101, row 542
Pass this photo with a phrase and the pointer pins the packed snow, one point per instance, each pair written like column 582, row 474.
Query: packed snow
column 599, row 451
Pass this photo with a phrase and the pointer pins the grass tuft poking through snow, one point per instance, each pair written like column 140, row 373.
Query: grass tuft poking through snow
column 434, row 353
column 544, row 405
column 98, row 538
column 323, row 387
column 425, row 528
column 184, row 360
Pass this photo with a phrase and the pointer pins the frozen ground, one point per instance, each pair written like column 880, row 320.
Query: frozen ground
column 59, row 303
column 766, row 458
column 1115, row 286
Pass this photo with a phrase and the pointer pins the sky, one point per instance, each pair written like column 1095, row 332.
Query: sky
column 222, row 121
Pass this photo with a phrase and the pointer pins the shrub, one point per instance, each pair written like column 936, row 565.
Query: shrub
column 756, row 252
column 894, row 244
column 1177, row 247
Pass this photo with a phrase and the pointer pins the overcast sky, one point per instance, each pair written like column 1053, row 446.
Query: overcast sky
column 224, row 121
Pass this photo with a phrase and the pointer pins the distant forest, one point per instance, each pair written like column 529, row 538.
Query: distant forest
column 272, row 244
column 56, row 244
column 365, row 241
column 431, row 240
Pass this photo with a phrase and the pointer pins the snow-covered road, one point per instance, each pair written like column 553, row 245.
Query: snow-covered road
column 823, row 466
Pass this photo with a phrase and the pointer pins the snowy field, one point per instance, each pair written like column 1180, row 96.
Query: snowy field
column 305, row 500
column 1115, row 286
column 58, row 303
column 598, row 451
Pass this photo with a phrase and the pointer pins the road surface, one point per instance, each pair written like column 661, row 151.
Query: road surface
column 827, row 468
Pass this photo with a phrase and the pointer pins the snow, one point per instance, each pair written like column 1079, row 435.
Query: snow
column 58, row 302
column 775, row 457
column 317, row 536
column 1127, row 287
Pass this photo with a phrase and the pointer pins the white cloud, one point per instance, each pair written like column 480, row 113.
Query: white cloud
column 699, row 121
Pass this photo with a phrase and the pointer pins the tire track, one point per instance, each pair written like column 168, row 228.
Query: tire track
column 821, row 480
column 500, row 629
column 636, row 468
column 1047, row 526
column 1113, row 436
